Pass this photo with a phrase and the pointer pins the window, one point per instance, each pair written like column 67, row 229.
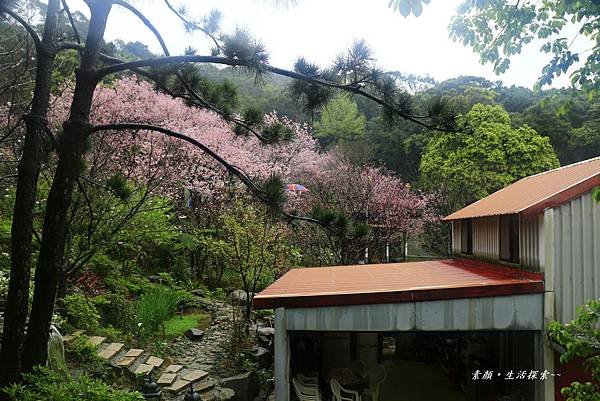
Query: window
column 509, row 238
column 466, row 236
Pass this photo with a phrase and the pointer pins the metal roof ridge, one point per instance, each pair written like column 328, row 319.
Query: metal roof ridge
column 559, row 168
column 561, row 191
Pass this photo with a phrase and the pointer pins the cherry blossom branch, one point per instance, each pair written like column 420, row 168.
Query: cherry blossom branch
column 174, row 134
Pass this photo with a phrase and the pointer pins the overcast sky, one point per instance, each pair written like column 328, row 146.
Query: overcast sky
column 320, row 29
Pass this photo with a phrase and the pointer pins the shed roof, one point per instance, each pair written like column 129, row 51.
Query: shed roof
column 395, row 282
column 531, row 195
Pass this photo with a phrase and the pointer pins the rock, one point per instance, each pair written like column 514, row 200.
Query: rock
column 266, row 331
column 264, row 358
column 238, row 297
column 194, row 334
column 245, row 385
column 225, row 394
column 154, row 279
column 199, row 292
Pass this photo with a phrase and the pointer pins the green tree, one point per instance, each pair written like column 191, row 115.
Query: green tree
column 340, row 122
column 489, row 155
column 497, row 30
column 581, row 339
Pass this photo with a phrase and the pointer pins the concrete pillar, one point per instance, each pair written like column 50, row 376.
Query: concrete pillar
column 547, row 268
column 282, row 357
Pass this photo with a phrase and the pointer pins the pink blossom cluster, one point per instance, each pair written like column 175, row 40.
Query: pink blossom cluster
column 366, row 193
column 173, row 163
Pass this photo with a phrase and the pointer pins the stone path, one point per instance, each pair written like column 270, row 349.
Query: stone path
column 196, row 361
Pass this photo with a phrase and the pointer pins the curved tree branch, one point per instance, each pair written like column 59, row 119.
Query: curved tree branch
column 174, row 134
column 71, row 21
column 36, row 39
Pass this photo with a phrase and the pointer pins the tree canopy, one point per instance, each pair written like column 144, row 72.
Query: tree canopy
column 491, row 155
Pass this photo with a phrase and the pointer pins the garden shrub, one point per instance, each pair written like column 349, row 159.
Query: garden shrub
column 83, row 354
column 80, row 312
column 45, row 385
column 116, row 311
column 155, row 306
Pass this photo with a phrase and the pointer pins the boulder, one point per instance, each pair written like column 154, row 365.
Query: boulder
column 225, row 394
column 266, row 331
column 155, row 279
column 194, row 334
column 263, row 357
column 238, row 297
column 245, row 385
column 199, row 292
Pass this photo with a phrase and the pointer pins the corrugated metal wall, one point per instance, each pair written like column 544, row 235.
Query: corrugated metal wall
column 456, row 237
column 576, row 254
column 485, row 238
column 531, row 242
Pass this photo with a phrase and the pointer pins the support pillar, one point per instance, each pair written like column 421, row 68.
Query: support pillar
column 282, row 357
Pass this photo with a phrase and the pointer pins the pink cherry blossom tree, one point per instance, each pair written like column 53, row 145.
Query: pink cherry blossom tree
column 364, row 208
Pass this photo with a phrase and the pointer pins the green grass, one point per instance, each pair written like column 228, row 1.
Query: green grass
column 178, row 325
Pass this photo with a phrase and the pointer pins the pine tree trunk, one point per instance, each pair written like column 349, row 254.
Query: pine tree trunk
column 71, row 150
column 17, row 302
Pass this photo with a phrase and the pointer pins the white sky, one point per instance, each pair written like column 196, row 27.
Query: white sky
column 320, row 29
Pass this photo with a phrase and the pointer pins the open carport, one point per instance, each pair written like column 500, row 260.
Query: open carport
column 379, row 314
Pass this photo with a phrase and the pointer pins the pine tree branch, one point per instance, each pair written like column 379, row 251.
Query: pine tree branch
column 103, row 72
column 193, row 25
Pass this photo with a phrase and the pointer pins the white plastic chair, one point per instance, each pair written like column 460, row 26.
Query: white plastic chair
column 309, row 381
column 342, row 394
column 305, row 393
column 377, row 375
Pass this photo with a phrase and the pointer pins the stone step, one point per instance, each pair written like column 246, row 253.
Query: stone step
column 173, row 368
column 194, row 375
column 96, row 340
column 154, row 361
column 110, row 350
column 125, row 362
column 204, row 386
column 128, row 358
column 143, row 369
column 178, row 386
column 73, row 335
column 134, row 352
column 166, row 379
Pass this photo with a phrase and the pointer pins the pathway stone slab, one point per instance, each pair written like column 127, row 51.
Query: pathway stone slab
column 154, row 361
column 204, row 386
column 173, row 368
column 111, row 350
column 166, row 379
column 143, row 369
column 68, row 337
column 195, row 375
column 134, row 352
column 125, row 362
column 96, row 340
column 178, row 386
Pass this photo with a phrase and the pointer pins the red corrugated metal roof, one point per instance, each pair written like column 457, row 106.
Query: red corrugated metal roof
column 396, row 282
column 531, row 195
